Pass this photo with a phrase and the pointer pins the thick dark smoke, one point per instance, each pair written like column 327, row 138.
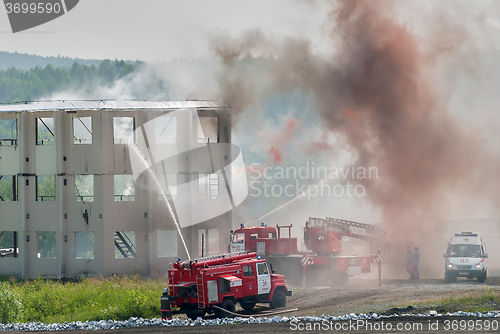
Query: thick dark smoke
column 378, row 91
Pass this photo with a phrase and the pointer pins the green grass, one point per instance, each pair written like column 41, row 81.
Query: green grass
column 485, row 300
column 48, row 301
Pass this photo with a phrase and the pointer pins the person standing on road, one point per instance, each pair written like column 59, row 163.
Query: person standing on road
column 409, row 261
column 416, row 261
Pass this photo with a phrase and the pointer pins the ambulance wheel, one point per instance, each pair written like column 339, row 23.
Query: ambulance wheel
column 279, row 300
column 448, row 278
column 228, row 305
column 248, row 306
column 482, row 278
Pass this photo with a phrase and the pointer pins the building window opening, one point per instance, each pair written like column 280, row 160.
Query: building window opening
column 8, row 132
column 124, row 188
column 84, row 188
column 208, row 186
column 84, row 245
column 167, row 184
column 82, row 130
column 9, row 244
column 166, row 130
column 45, row 131
column 202, row 242
column 208, row 130
column 125, row 245
column 208, row 241
column 123, row 130
column 8, row 188
column 167, row 243
column 45, row 188
column 46, row 245
column 213, row 242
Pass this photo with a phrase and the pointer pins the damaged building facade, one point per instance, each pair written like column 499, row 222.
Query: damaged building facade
column 71, row 205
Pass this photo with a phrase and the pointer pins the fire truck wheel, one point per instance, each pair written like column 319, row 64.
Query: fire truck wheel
column 340, row 280
column 195, row 315
column 227, row 304
column 248, row 306
column 279, row 300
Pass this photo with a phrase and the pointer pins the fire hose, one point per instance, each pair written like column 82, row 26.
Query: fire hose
column 248, row 316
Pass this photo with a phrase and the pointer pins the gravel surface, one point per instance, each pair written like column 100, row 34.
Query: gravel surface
column 139, row 322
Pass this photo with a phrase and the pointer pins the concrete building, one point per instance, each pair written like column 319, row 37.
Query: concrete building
column 70, row 203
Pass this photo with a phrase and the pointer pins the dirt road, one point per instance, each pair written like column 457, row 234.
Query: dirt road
column 363, row 296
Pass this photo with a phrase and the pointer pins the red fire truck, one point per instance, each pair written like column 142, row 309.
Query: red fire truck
column 322, row 237
column 196, row 286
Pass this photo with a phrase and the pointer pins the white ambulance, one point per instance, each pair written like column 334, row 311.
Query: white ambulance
column 466, row 257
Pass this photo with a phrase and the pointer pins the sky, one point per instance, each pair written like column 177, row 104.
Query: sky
column 152, row 30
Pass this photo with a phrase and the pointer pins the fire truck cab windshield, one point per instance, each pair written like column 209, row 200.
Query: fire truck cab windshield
column 237, row 238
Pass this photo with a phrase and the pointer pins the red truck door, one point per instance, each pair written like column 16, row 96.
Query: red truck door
column 263, row 278
column 249, row 281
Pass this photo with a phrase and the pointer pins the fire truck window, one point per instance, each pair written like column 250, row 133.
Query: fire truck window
column 247, row 271
column 237, row 238
column 253, row 236
column 262, row 269
column 271, row 235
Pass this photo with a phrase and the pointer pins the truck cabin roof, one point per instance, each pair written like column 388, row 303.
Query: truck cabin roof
column 226, row 266
column 261, row 231
column 242, row 262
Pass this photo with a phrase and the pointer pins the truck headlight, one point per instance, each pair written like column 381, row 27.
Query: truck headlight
column 450, row 265
column 478, row 265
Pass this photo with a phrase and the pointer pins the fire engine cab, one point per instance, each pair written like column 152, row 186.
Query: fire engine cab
column 196, row 286
column 322, row 237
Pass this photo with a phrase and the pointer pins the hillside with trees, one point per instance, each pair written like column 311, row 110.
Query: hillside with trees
column 23, row 61
column 19, row 85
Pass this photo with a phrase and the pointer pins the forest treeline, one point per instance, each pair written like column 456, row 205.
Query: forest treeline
column 24, row 61
column 37, row 83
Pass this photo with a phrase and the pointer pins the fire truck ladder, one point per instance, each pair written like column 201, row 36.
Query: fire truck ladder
column 357, row 230
column 170, row 285
column 219, row 256
column 201, row 292
column 361, row 231
column 124, row 245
